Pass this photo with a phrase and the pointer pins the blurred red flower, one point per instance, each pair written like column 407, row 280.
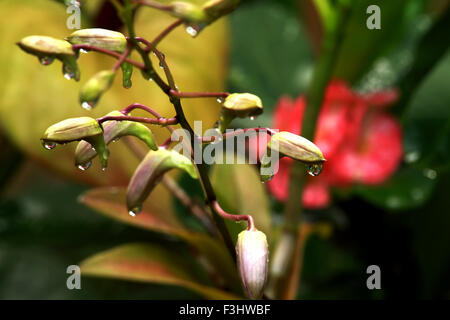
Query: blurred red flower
column 361, row 142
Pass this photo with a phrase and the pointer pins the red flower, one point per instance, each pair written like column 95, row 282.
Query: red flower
column 361, row 142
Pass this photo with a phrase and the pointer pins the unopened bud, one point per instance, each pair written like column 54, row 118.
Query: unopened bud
column 75, row 129
column 93, row 89
column 214, row 9
column 239, row 105
column 114, row 130
column 48, row 48
column 150, row 171
column 252, row 253
column 296, row 147
column 188, row 12
column 45, row 46
column 102, row 38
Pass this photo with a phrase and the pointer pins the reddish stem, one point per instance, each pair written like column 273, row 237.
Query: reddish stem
column 235, row 133
column 122, row 58
column 159, row 121
column 109, row 53
column 234, row 217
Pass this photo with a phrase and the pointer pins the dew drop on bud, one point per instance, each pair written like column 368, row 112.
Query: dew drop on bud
column 47, row 60
column 68, row 73
column 191, row 31
column 49, row 145
column 135, row 211
column 87, row 105
column 84, row 166
column 315, row 169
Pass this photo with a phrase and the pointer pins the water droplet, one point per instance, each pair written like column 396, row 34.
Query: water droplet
column 88, row 105
column 393, row 202
column 192, row 31
column 68, row 72
column 47, row 60
column 83, row 51
column 430, row 173
column 135, row 211
column 116, row 139
column 252, row 118
column 84, row 166
column 315, row 169
column 161, row 65
column 412, row 156
column 220, row 100
column 217, row 136
column 150, row 79
column 49, row 145
column 103, row 168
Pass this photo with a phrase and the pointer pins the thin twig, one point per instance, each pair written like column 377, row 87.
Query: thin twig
column 159, row 121
column 234, row 217
column 180, row 94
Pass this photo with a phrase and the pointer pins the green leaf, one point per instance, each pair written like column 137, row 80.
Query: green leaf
column 149, row 263
column 158, row 215
column 408, row 188
column 361, row 45
column 41, row 96
column 240, row 191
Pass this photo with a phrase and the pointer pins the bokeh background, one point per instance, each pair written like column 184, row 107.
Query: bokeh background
column 266, row 47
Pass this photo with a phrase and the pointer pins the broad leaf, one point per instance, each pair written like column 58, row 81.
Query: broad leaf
column 150, row 263
column 159, row 216
column 32, row 96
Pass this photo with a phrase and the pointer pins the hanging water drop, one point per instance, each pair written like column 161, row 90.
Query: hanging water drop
column 88, row 105
column 49, row 145
column 252, row 118
column 84, row 166
column 135, row 211
column 161, row 65
column 220, row 100
column 104, row 168
column 315, row 169
column 47, row 60
column 191, row 31
column 150, row 79
column 68, row 72
column 83, row 51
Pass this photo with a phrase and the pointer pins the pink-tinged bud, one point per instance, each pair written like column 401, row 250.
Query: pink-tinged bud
column 252, row 254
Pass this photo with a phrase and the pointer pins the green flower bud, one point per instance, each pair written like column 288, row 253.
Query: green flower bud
column 149, row 173
column 286, row 144
column 48, row 48
column 93, row 89
column 295, row 147
column 127, row 71
column 45, row 46
column 102, row 38
column 75, row 129
column 188, row 12
column 112, row 131
column 252, row 253
column 214, row 9
column 239, row 105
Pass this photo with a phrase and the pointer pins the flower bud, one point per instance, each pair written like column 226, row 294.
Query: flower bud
column 45, row 46
column 93, row 89
column 295, row 147
column 114, row 130
column 75, row 129
column 48, row 48
column 239, row 105
column 102, row 38
column 252, row 253
column 214, row 9
column 149, row 173
column 188, row 12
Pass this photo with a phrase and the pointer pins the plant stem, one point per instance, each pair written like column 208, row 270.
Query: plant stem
column 159, row 121
column 237, row 132
column 285, row 281
column 179, row 94
column 234, row 217
column 109, row 53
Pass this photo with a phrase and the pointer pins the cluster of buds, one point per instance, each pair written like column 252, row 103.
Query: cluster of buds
column 94, row 135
